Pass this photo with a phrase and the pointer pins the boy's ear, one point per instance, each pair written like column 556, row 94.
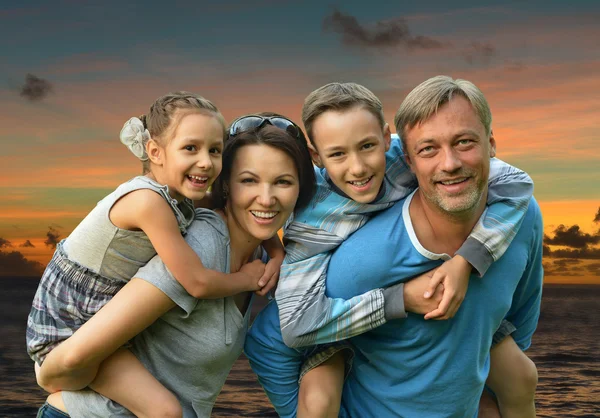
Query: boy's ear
column 314, row 154
column 387, row 136
column 154, row 152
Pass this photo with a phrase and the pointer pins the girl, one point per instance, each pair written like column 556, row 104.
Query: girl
column 180, row 142
column 267, row 174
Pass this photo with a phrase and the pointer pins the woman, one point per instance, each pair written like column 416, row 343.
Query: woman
column 190, row 345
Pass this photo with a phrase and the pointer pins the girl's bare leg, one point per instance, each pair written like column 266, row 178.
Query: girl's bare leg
column 321, row 389
column 513, row 378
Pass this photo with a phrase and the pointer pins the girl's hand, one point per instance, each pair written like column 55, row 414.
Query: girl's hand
column 270, row 277
column 454, row 275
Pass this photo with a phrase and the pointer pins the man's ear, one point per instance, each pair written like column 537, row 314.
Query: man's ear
column 408, row 161
column 387, row 136
column 492, row 145
column 314, row 154
column 154, row 152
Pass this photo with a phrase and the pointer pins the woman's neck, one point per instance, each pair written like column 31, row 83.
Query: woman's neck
column 242, row 244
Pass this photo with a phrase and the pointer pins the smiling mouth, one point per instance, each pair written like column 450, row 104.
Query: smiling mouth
column 263, row 215
column 198, row 180
column 360, row 183
column 453, row 181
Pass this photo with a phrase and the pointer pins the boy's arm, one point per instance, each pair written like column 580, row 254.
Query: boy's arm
column 509, row 193
column 307, row 316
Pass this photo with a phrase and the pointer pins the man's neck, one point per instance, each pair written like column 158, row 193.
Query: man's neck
column 439, row 231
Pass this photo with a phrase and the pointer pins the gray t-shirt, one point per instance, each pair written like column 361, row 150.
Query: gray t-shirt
column 191, row 348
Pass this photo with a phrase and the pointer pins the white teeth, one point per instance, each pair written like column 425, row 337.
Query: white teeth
column 360, row 183
column 198, row 178
column 452, row 181
column 264, row 215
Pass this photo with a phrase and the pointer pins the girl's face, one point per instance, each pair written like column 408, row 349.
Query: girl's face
column 263, row 190
column 192, row 158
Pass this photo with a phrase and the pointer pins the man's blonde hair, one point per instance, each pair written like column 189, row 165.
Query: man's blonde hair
column 427, row 97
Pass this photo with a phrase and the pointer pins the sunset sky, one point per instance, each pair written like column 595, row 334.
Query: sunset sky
column 73, row 72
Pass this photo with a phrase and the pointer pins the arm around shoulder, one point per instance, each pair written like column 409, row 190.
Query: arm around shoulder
column 155, row 218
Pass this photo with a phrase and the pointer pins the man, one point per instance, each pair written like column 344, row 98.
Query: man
column 413, row 368
column 347, row 120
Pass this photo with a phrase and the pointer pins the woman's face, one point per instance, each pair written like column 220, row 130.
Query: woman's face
column 263, row 189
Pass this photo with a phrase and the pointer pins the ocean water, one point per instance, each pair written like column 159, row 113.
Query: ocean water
column 565, row 348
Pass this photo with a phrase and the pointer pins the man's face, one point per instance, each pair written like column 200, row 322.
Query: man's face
column 351, row 146
column 450, row 155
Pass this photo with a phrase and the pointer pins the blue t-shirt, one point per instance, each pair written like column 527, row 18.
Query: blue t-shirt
column 416, row 368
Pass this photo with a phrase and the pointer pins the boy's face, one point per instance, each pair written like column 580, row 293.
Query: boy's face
column 351, row 146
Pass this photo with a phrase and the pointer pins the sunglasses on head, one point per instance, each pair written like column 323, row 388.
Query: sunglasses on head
column 246, row 123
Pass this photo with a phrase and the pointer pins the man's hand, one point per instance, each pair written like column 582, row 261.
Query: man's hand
column 414, row 301
column 270, row 277
column 454, row 275
column 254, row 271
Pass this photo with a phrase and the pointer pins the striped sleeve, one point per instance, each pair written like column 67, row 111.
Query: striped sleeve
column 307, row 316
column 509, row 193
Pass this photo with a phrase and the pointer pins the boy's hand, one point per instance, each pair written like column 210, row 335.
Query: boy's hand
column 270, row 277
column 254, row 271
column 413, row 295
column 454, row 275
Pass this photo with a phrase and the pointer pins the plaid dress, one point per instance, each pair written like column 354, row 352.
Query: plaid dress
column 89, row 268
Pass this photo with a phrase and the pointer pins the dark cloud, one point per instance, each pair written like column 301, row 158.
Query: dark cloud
column 479, row 53
column 35, row 88
column 27, row 244
column 571, row 237
column 546, row 251
column 15, row 264
column 4, row 243
column 584, row 253
column 597, row 217
column 53, row 237
column 384, row 34
column 594, row 268
column 566, row 261
column 514, row 66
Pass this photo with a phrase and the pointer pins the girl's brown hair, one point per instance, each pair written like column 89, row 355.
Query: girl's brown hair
column 166, row 112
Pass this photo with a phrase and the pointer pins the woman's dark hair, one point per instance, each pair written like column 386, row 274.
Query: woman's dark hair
column 295, row 148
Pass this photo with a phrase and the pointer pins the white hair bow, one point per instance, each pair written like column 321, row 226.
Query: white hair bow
column 134, row 136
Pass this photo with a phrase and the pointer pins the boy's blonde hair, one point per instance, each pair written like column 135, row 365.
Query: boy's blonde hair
column 339, row 97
